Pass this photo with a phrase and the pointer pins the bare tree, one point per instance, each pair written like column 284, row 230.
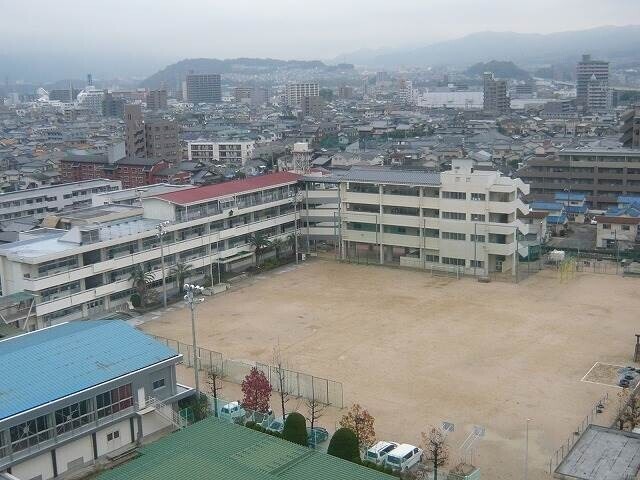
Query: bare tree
column 214, row 379
column 280, row 369
column 316, row 409
column 435, row 449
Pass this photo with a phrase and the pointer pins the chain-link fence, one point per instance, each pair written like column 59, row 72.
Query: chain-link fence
column 297, row 384
column 559, row 455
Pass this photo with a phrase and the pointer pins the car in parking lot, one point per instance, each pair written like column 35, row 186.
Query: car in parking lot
column 378, row 453
column 403, row 457
column 316, row 435
column 232, row 411
column 277, row 424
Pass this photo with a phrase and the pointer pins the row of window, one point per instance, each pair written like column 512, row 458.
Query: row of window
column 67, row 419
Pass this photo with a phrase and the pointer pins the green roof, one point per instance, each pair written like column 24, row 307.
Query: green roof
column 214, row 449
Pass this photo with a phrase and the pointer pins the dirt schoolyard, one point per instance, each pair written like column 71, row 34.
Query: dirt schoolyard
column 417, row 350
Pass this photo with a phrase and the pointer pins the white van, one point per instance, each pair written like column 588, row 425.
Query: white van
column 378, row 453
column 403, row 457
column 232, row 411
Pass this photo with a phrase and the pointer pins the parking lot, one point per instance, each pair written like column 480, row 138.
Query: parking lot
column 417, row 350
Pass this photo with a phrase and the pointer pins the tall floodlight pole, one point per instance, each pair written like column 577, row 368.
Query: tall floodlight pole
column 161, row 233
column 526, row 450
column 190, row 292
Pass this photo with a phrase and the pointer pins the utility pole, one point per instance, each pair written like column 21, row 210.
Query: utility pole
column 190, row 292
column 161, row 233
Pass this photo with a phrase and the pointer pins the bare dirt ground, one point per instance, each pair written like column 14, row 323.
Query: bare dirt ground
column 416, row 350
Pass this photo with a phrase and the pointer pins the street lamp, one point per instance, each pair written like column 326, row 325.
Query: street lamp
column 190, row 292
column 161, row 233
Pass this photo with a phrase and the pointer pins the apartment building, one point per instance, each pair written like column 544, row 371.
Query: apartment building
column 203, row 88
column 589, row 71
column 157, row 100
column 294, row 92
column 601, row 174
column 233, row 153
column 83, row 269
column 151, row 137
column 463, row 219
column 162, row 140
column 630, row 128
column 93, row 388
column 37, row 203
column 495, row 98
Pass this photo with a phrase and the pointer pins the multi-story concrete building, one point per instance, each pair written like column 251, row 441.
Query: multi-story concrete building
column 37, row 203
column 84, row 268
column 600, row 174
column 157, row 100
column 311, row 106
column 630, row 128
column 586, row 70
column 203, row 88
column 294, row 92
column 67, row 95
column 462, row 219
column 233, row 153
column 112, row 106
column 495, row 99
column 93, row 388
column 153, row 137
column 134, row 135
column 598, row 96
column 162, row 140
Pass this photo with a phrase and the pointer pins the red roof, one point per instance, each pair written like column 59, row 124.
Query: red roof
column 209, row 192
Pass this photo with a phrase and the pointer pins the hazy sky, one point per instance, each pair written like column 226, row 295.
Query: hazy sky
column 303, row 29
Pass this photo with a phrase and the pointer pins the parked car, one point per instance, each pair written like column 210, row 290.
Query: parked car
column 232, row 411
column 277, row 425
column 317, row 435
column 378, row 453
column 403, row 457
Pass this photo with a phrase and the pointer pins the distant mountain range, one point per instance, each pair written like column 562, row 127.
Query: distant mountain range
column 616, row 44
column 171, row 75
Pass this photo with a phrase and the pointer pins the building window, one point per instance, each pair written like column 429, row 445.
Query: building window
column 477, row 238
column 454, row 195
column 113, row 435
column 453, row 261
column 477, row 217
column 453, row 236
column 113, row 401
column 626, row 227
column 158, row 384
column 606, row 226
column 73, row 416
column 432, row 258
column 476, row 263
column 29, row 433
column 454, row 216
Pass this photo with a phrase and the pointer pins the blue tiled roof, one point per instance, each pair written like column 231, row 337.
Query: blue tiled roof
column 576, row 208
column 557, row 219
column 547, row 206
column 575, row 196
column 628, row 211
column 628, row 199
column 48, row 364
